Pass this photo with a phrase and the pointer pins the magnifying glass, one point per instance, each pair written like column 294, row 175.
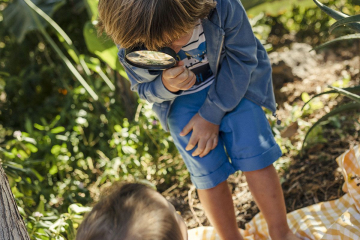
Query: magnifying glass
column 140, row 57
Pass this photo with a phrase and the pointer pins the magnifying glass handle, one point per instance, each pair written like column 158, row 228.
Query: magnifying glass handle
column 155, row 72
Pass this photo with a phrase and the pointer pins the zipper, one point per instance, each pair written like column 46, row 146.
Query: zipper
column 218, row 58
column 278, row 121
column 167, row 115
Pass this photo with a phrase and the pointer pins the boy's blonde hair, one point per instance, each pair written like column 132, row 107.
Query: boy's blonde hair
column 130, row 212
column 153, row 23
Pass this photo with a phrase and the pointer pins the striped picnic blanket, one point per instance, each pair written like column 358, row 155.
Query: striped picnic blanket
column 338, row 219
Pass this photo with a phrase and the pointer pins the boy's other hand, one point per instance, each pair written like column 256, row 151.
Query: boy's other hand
column 205, row 134
column 178, row 78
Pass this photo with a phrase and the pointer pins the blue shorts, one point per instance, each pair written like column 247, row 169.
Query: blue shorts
column 245, row 143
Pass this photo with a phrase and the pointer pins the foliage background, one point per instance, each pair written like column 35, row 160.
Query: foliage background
column 60, row 144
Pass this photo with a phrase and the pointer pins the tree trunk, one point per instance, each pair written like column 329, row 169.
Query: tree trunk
column 12, row 226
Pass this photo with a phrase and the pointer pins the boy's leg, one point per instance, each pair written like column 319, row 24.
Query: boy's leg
column 208, row 173
column 219, row 209
column 265, row 187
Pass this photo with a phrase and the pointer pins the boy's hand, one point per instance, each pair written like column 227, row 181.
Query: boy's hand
column 205, row 135
column 178, row 78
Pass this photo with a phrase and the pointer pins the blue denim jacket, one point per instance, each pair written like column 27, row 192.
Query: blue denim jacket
column 236, row 57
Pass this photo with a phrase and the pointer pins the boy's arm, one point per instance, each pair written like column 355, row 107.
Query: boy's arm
column 236, row 67
column 149, row 87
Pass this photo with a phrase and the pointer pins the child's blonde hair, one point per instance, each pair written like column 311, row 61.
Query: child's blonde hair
column 153, row 23
column 130, row 212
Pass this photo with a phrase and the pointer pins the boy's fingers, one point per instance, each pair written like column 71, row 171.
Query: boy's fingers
column 192, row 143
column 208, row 148
column 200, row 149
column 183, row 77
column 185, row 131
column 174, row 72
column 215, row 142
column 188, row 83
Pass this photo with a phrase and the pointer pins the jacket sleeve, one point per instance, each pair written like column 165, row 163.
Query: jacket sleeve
column 238, row 62
column 149, row 86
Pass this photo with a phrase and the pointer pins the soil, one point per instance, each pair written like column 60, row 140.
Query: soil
column 310, row 176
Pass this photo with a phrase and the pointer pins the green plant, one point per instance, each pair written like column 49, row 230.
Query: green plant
column 351, row 93
column 58, row 144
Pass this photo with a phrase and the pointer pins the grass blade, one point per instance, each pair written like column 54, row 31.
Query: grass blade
column 344, row 21
column 347, row 94
column 350, row 89
column 336, row 15
column 347, row 37
column 61, row 55
column 342, row 108
column 63, row 35
column 331, row 12
column 105, row 78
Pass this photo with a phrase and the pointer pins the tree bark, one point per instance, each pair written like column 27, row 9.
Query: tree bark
column 12, row 226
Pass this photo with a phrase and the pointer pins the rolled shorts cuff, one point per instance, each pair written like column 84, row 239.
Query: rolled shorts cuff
column 215, row 178
column 258, row 162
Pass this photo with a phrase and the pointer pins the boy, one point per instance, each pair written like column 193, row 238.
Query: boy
column 132, row 211
column 212, row 99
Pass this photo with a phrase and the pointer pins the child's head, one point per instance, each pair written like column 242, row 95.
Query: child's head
column 153, row 23
column 132, row 211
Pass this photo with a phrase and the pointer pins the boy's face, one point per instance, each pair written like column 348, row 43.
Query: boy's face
column 178, row 218
column 182, row 41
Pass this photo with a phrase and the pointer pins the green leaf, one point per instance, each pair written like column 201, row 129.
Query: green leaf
column 350, row 89
column 91, row 62
column 331, row 12
column 346, row 37
column 23, row 153
column 17, row 193
column 29, row 140
column 77, row 208
column 57, row 49
column 14, row 165
column 31, row 147
column 19, row 19
column 28, row 125
column 70, row 231
column 347, row 94
column 4, row 74
column 344, row 21
column 94, row 64
column 55, row 150
column 57, row 130
column 128, row 150
column 91, row 6
column 53, row 170
column 102, row 46
column 39, row 127
column 343, row 108
column 118, row 128
column 305, row 97
column 55, row 121
column 278, row 7
column 41, row 207
column 59, row 224
column 337, row 15
column 37, row 174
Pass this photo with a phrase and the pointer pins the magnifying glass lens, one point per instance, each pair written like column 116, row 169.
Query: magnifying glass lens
column 151, row 59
